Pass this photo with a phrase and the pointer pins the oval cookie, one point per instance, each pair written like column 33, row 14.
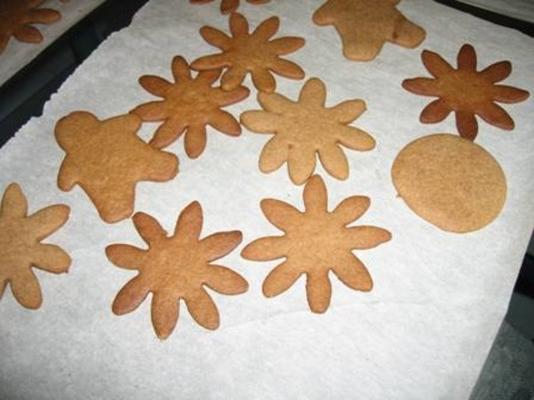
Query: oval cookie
column 450, row 182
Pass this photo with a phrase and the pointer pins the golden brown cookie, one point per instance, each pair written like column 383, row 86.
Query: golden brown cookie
column 252, row 53
column 21, row 248
column 107, row 159
column 17, row 18
column 189, row 105
column 450, row 182
column 306, row 127
column 465, row 91
column 314, row 242
column 228, row 6
column 175, row 268
column 365, row 25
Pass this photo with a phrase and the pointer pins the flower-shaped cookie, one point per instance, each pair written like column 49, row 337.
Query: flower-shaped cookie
column 189, row 105
column 254, row 52
column 176, row 267
column 17, row 16
column 306, row 127
column 465, row 91
column 21, row 248
column 228, row 6
column 107, row 159
column 365, row 25
column 314, row 242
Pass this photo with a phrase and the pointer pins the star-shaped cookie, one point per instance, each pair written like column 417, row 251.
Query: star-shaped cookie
column 21, row 248
column 306, row 127
column 189, row 105
column 107, row 159
column 365, row 25
column 253, row 53
column 17, row 18
column 228, row 6
column 174, row 268
column 315, row 242
column 466, row 91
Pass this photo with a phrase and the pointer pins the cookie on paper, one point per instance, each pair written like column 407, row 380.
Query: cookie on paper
column 255, row 53
column 315, row 242
column 107, row 159
column 306, row 127
column 366, row 25
column 466, row 92
column 188, row 105
column 17, row 18
column 175, row 268
column 21, row 248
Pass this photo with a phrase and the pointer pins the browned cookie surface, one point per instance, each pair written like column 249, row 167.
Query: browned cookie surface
column 107, row 159
column 466, row 91
column 188, row 105
column 21, row 248
column 17, row 18
column 365, row 25
column 451, row 182
column 176, row 267
column 250, row 52
column 305, row 128
column 315, row 242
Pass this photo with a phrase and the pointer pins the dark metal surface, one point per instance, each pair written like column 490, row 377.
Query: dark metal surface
column 24, row 95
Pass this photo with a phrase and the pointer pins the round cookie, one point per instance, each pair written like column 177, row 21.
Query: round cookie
column 450, row 182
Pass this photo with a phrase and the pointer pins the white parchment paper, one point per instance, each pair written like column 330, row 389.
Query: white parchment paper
column 18, row 54
column 439, row 298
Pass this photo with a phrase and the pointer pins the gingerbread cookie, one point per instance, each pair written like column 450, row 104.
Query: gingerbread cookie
column 17, row 18
column 189, row 105
column 466, row 91
column 21, row 248
column 306, row 127
column 229, row 6
column 176, row 267
column 107, row 159
column 253, row 53
column 365, row 25
column 314, row 242
column 450, row 182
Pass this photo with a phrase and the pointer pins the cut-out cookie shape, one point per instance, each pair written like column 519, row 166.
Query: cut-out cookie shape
column 253, row 53
column 305, row 127
column 228, row 6
column 17, row 18
column 175, row 268
column 21, row 248
column 365, row 25
column 107, row 159
column 450, row 182
column 314, row 242
column 189, row 105
column 465, row 91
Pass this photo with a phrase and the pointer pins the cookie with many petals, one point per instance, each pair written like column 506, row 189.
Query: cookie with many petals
column 21, row 248
column 174, row 268
column 255, row 53
column 466, row 92
column 315, row 242
column 305, row 128
column 188, row 105
column 17, row 18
